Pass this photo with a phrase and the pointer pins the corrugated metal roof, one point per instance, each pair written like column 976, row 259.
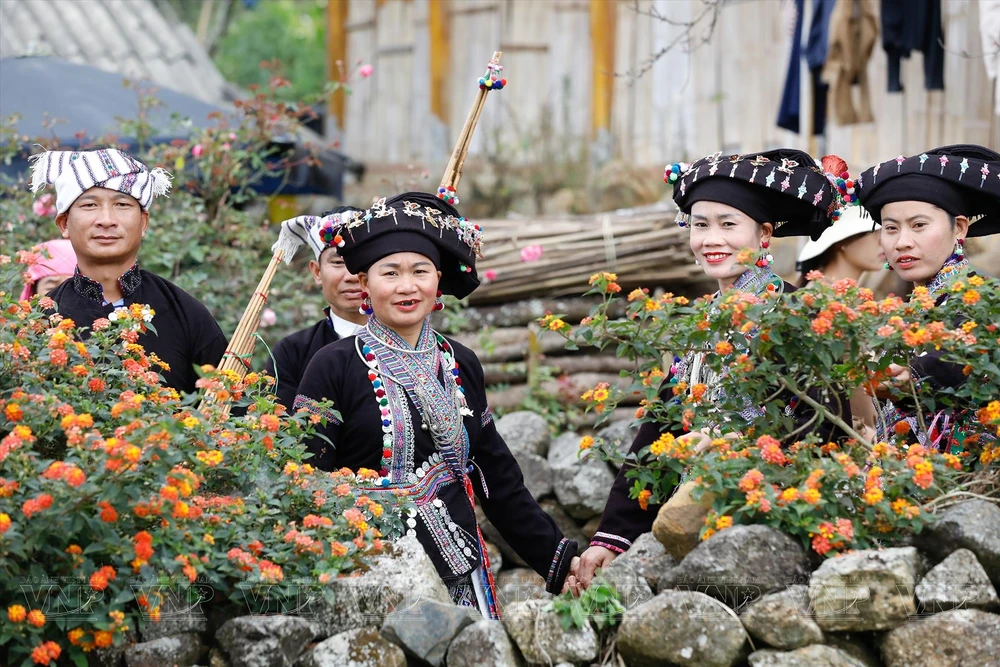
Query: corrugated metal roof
column 130, row 37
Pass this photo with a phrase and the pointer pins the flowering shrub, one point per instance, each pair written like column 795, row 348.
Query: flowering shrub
column 116, row 493
column 805, row 349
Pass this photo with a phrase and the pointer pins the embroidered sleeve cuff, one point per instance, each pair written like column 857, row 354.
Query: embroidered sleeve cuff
column 559, row 569
column 616, row 543
column 314, row 407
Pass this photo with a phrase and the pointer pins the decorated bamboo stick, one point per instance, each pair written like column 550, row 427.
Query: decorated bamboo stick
column 453, row 172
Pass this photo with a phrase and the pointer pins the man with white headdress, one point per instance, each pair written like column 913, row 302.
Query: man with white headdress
column 102, row 205
column 343, row 314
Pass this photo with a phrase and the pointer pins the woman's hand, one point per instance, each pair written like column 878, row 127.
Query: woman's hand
column 572, row 582
column 899, row 376
column 699, row 441
column 593, row 559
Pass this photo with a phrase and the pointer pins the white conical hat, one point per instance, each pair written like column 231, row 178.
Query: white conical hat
column 851, row 223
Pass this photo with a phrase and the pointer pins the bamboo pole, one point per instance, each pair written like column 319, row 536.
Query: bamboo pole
column 236, row 358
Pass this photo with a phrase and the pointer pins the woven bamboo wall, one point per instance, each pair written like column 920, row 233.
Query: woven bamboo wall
column 724, row 94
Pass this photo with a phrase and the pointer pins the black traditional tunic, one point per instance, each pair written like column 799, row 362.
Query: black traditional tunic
column 623, row 520
column 292, row 355
column 947, row 430
column 186, row 333
column 382, row 429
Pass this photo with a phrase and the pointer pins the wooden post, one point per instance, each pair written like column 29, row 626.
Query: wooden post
column 602, row 48
column 336, row 50
column 440, row 46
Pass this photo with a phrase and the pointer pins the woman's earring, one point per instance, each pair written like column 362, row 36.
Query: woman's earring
column 960, row 248
column 438, row 303
column 366, row 304
column 697, row 263
column 888, row 266
column 765, row 259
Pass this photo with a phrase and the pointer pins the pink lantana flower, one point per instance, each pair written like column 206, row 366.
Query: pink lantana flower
column 531, row 253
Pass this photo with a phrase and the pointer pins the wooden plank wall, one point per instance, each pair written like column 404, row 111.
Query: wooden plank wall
column 721, row 95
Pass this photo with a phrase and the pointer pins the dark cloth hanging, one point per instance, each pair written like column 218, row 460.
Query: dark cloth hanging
column 913, row 25
column 817, row 47
column 788, row 111
column 815, row 52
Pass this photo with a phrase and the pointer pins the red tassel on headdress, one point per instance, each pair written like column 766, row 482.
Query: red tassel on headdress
column 834, row 164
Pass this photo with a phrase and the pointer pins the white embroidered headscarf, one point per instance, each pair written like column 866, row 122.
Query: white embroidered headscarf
column 319, row 233
column 75, row 172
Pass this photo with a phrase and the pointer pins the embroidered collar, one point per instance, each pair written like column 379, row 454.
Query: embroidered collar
column 758, row 281
column 128, row 283
column 951, row 270
column 690, row 369
column 426, row 342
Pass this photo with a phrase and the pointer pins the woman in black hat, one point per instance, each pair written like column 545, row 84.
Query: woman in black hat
column 412, row 403
column 730, row 203
column 928, row 204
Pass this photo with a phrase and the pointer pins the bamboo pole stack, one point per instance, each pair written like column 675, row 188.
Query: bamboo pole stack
column 644, row 247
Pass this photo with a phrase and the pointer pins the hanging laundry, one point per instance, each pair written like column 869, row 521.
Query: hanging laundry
column 913, row 25
column 853, row 31
column 788, row 111
column 817, row 47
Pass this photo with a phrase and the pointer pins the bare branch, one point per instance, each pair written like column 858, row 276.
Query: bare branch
column 709, row 16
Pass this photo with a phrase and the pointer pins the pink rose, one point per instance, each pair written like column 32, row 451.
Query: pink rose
column 225, row 146
column 232, row 136
column 531, row 253
column 489, row 276
column 197, row 150
column 365, row 71
column 44, row 206
column 268, row 318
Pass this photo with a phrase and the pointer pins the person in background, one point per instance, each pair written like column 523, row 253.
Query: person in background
column 847, row 249
column 52, row 271
column 102, row 208
column 344, row 316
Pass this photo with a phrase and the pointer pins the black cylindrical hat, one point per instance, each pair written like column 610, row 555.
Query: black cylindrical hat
column 415, row 222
